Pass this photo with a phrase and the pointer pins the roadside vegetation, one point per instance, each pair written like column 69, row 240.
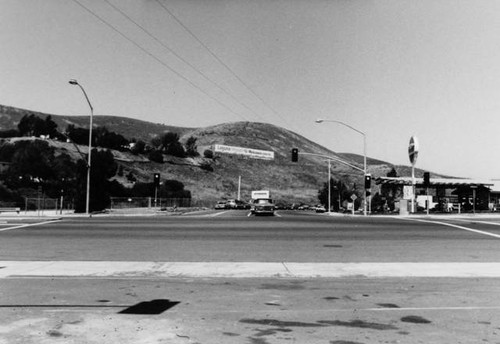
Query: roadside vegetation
column 32, row 166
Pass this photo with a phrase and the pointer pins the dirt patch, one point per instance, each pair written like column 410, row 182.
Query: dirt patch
column 415, row 319
column 231, row 334
column 388, row 305
column 279, row 323
column 271, row 331
column 290, row 286
column 359, row 324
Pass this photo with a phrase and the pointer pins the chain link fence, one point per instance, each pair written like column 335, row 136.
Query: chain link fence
column 45, row 204
column 149, row 202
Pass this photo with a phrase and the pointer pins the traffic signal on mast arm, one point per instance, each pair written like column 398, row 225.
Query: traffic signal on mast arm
column 295, row 154
column 427, row 179
column 368, row 181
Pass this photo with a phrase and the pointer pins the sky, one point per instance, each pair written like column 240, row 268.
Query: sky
column 390, row 69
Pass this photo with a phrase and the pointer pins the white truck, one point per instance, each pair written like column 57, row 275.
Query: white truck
column 260, row 194
column 422, row 201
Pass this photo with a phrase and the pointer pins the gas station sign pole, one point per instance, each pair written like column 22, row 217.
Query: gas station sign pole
column 413, row 154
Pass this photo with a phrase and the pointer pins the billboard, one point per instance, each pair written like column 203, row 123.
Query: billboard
column 249, row 152
column 260, row 194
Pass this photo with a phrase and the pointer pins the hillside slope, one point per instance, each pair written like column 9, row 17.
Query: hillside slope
column 287, row 181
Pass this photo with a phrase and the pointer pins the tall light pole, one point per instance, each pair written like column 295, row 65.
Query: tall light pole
column 74, row 82
column 320, row 120
column 329, row 186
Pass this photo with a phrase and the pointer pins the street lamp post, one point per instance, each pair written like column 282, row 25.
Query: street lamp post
column 74, row 82
column 329, row 187
column 320, row 120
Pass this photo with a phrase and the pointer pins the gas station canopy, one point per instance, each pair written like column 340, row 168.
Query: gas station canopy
column 435, row 182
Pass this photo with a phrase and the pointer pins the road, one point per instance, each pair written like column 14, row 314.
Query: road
column 233, row 236
column 340, row 279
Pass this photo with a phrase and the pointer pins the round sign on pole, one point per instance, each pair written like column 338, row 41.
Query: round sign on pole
column 413, row 150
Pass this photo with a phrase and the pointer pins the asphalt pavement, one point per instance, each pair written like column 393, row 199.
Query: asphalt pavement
column 225, row 277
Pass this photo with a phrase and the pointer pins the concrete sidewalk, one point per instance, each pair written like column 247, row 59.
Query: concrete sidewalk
column 122, row 269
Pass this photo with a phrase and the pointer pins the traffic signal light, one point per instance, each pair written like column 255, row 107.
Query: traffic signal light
column 427, row 179
column 156, row 178
column 368, row 181
column 295, row 154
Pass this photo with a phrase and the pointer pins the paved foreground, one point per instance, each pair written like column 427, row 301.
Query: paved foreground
column 235, row 279
column 250, row 310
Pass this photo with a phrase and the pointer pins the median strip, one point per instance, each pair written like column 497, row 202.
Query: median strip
column 115, row 269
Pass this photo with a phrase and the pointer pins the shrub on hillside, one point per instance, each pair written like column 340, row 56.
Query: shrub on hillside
column 209, row 154
column 155, row 156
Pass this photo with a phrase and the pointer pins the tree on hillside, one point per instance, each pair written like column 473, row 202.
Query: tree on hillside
column 209, row 154
column 171, row 145
column 104, row 138
column 103, row 167
column 78, row 135
column 155, row 156
column 31, row 125
column 191, row 147
column 33, row 159
column 174, row 189
column 337, row 191
column 156, row 142
column 33, row 164
column 138, row 147
column 9, row 133
column 7, row 150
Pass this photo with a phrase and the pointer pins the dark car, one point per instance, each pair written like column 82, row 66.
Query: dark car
column 263, row 206
column 242, row 205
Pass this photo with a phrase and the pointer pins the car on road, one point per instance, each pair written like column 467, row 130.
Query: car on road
column 320, row 209
column 220, row 205
column 263, row 206
column 231, row 204
column 242, row 205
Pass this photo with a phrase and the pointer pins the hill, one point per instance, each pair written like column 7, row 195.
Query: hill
column 128, row 127
column 287, row 181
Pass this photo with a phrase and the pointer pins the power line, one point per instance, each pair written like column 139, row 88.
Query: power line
column 180, row 57
column 220, row 61
column 154, row 57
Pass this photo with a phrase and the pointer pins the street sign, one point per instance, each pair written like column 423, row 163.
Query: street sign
column 354, row 197
column 413, row 150
column 408, row 192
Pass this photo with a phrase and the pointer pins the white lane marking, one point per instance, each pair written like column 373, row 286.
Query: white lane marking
column 476, row 221
column 456, row 226
column 29, row 225
column 218, row 214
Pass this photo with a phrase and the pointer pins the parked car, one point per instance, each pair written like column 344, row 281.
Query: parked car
column 220, row 205
column 263, row 206
column 231, row 204
column 320, row 209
